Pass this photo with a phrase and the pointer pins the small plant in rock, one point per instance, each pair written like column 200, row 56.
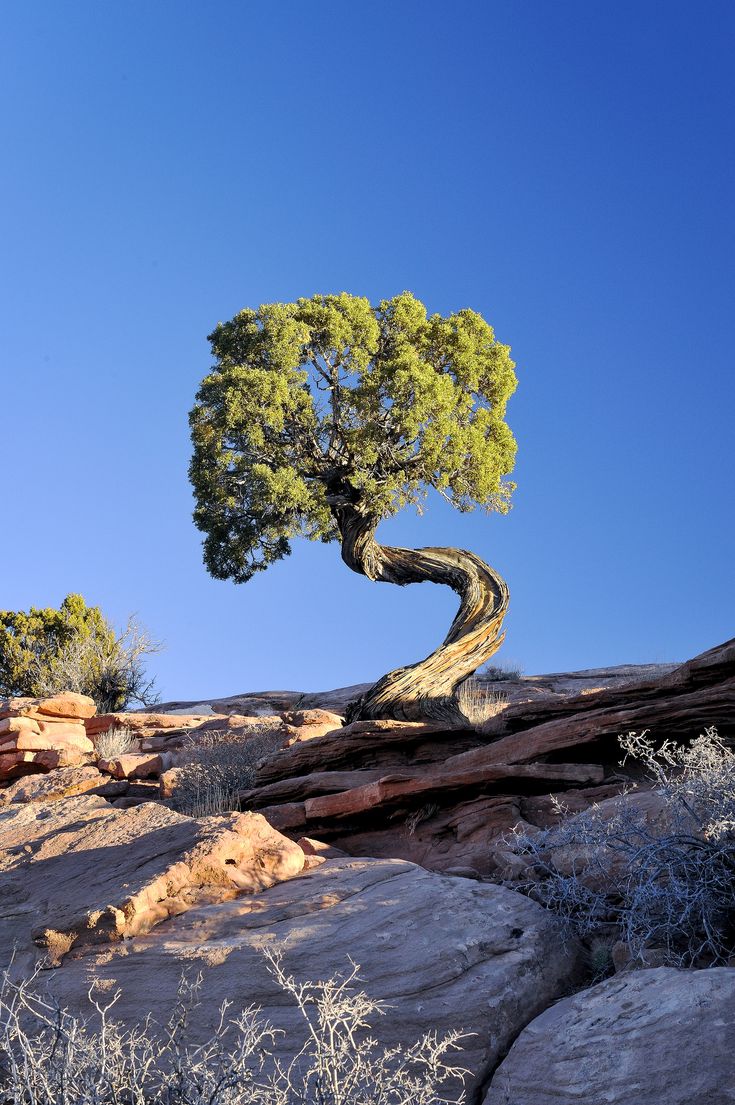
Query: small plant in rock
column 50, row 1056
column 498, row 673
column 219, row 766
column 115, row 742
column 477, row 703
column 668, row 883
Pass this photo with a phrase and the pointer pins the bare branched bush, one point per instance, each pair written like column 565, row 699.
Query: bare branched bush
column 109, row 668
column 50, row 1056
column 218, row 766
column 115, row 742
column 498, row 673
column 477, row 703
column 668, row 883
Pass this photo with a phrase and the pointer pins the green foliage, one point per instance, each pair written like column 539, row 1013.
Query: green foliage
column 30, row 641
column 74, row 648
column 330, row 397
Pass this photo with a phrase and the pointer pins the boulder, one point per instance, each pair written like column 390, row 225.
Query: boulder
column 135, row 765
column 64, row 782
column 442, row 953
column 68, row 705
column 40, row 734
column 642, row 1038
column 79, row 872
column 308, row 724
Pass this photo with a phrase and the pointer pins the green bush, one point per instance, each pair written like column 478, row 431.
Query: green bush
column 74, row 648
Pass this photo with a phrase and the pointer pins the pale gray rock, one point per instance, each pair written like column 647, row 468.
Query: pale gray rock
column 646, row 1038
column 442, row 953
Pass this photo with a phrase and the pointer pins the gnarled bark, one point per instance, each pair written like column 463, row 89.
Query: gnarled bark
column 426, row 689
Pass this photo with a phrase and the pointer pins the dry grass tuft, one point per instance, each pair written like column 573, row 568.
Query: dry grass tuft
column 477, row 703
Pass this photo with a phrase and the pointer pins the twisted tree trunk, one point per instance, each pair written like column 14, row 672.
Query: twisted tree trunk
column 426, row 689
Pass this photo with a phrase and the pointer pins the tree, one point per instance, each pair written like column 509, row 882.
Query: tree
column 46, row 651
column 324, row 416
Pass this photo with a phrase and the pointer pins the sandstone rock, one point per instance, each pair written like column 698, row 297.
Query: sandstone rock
column 167, row 782
column 442, row 953
column 14, row 763
column 26, row 741
column 647, row 1037
column 147, row 725
column 313, row 717
column 680, row 705
column 309, row 724
column 134, row 765
column 318, row 848
column 68, row 705
column 78, row 872
column 10, row 725
column 65, row 782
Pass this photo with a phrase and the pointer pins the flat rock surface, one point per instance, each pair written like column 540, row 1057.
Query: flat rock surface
column 64, row 782
column 645, row 1038
column 442, row 953
column 79, row 872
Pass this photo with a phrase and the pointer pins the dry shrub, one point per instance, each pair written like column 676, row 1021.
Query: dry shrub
column 498, row 673
column 49, row 1056
column 115, row 742
column 218, row 766
column 477, row 703
column 668, row 885
column 109, row 668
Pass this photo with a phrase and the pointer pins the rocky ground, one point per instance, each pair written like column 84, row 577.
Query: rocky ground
column 379, row 841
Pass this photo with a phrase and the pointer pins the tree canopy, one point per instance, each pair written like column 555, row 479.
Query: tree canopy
column 331, row 395
column 45, row 650
column 30, row 640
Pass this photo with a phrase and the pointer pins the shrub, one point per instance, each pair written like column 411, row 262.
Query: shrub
column 115, row 742
column 49, row 1056
column 74, row 648
column 498, row 673
column 668, row 884
column 220, row 765
column 477, row 703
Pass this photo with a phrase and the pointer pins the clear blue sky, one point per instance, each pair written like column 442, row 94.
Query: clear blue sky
column 565, row 168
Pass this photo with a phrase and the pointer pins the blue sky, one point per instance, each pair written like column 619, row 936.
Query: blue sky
column 564, row 168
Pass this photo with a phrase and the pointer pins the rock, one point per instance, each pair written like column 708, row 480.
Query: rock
column 65, row 706
column 313, row 718
column 134, row 765
column 462, row 872
column 40, row 734
column 25, row 741
column 604, row 869
column 442, row 953
column 167, row 782
column 642, row 1038
column 11, row 725
column 147, row 725
column 68, row 705
column 309, row 724
column 79, row 872
column 318, row 848
column 65, row 782
column 678, row 705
